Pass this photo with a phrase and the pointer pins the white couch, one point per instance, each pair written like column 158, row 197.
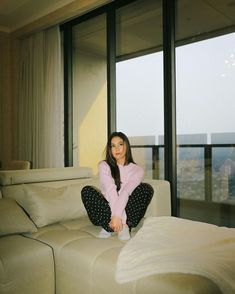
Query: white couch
column 47, row 243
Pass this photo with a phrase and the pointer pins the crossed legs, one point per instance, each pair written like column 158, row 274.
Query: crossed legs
column 98, row 208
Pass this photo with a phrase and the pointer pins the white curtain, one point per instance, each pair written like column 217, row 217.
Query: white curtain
column 39, row 119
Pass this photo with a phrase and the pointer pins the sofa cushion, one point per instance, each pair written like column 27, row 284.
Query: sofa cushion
column 26, row 266
column 47, row 205
column 87, row 264
column 13, row 220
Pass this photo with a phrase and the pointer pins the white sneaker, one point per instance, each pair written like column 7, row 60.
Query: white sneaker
column 103, row 234
column 124, row 234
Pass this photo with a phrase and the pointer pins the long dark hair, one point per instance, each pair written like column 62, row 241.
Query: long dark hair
column 111, row 161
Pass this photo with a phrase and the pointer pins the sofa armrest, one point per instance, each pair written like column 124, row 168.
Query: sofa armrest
column 161, row 201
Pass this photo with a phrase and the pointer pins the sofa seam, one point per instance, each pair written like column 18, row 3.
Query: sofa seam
column 53, row 254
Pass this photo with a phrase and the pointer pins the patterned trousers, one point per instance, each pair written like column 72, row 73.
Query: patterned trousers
column 99, row 211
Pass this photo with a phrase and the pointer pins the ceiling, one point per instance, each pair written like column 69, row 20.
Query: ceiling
column 15, row 14
column 139, row 26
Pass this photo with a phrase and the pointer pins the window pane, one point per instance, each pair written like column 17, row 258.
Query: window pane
column 140, row 83
column 223, row 174
column 197, row 18
column 139, row 27
column 191, row 172
column 89, row 91
column 205, row 92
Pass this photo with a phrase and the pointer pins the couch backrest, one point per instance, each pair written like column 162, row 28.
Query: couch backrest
column 161, row 201
column 59, row 198
column 13, row 177
column 160, row 204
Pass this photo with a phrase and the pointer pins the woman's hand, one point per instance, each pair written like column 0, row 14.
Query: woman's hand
column 116, row 223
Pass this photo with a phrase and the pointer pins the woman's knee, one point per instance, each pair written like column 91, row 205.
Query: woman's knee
column 148, row 188
column 86, row 191
column 145, row 189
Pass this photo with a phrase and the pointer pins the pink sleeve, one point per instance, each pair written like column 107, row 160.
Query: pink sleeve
column 107, row 183
column 131, row 181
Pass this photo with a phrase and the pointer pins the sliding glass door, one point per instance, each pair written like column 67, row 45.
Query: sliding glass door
column 205, row 63
column 205, row 70
column 139, row 77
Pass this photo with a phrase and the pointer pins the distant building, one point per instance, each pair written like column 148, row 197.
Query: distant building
column 187, row 139
column 142, row 140
column 223, row 138
column 143, row 156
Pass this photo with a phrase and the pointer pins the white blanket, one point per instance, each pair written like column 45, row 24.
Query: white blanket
column 175, row 245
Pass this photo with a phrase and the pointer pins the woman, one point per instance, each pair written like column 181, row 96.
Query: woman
column 123, row 199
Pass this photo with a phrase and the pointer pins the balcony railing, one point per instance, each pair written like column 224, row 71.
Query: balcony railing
column 206, row 157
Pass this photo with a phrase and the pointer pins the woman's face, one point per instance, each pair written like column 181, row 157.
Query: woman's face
column 118, row 149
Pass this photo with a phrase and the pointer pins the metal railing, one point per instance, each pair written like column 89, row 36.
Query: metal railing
column 207, row 157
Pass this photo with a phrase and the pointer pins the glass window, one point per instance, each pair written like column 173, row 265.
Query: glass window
column 89, row 92
column 139, row 82
column 205, row 70
column 139, row 28
column 203, row 19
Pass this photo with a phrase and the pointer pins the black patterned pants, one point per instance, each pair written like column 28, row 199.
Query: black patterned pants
column 99, row 211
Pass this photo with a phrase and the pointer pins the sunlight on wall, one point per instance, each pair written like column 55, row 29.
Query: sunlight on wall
column 90, row 108
column 92, row 144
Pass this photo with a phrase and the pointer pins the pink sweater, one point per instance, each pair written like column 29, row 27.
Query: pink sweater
column 131, row 176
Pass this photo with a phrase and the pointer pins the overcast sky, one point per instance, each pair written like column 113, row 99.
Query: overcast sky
column 205, row 90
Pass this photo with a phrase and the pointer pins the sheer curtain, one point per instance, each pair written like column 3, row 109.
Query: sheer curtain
column 39, row 129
